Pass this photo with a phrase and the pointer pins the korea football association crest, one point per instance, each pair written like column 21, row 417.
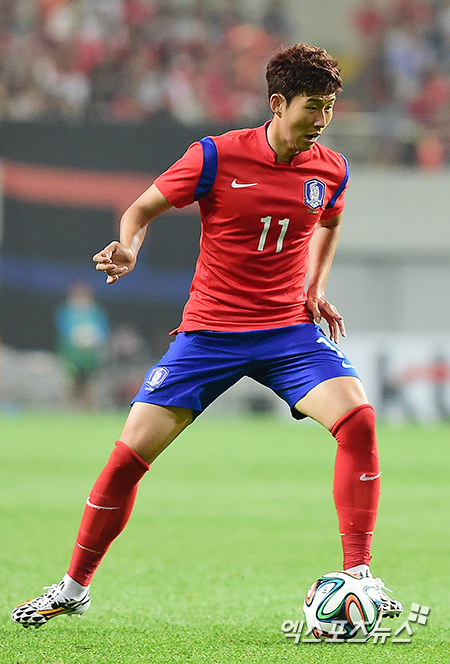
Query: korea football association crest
column 155, row 378
column 314, row 193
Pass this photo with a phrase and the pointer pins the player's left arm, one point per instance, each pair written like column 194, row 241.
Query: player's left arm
column 321, row 254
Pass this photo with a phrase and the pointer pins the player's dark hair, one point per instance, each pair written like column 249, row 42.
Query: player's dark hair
column 302, row 69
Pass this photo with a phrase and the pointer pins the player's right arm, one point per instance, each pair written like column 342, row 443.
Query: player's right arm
column 119, row 258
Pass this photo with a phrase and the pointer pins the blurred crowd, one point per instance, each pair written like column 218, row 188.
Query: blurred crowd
column 204, row 60
column 404, row 70
column 126, row 60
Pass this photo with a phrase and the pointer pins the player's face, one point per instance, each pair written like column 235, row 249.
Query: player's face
column 302, row 121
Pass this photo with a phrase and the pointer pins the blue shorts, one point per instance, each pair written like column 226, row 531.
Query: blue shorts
column 200, row 366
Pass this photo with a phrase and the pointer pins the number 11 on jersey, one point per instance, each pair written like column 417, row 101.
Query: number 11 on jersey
column 284, row 223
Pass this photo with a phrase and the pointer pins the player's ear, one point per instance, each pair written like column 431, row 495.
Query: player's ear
column 277, row 102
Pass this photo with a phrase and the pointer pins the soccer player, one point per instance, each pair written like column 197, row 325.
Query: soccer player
column 271, row 202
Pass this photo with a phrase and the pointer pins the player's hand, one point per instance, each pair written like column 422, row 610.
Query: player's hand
column 320, row 308
column 116, row 260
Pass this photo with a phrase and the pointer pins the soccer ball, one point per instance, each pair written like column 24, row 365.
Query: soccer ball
column 341, row 606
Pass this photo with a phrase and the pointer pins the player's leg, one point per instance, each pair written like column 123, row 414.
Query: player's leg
column 148, row 431
column 317, row 380
column 195, row 370
column 328, row 401
column 149, row 428
column 340, row 404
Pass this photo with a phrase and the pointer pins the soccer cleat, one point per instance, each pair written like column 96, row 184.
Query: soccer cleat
column 391, row 607
column 52, row 603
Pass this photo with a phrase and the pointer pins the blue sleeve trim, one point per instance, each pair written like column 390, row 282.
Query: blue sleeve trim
column 209, row 170
column 341, row 187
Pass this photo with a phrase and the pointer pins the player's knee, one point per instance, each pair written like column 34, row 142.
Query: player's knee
column 357, row 428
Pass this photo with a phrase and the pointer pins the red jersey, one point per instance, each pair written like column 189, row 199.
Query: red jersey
column 258, row 216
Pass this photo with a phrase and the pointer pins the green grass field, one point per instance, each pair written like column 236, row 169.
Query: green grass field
column 231, row 526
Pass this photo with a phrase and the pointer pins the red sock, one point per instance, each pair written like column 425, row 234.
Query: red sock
column 356, row 486
column 107, row 511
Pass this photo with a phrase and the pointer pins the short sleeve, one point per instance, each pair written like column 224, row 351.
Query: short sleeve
column 336, row 203
column 179, row 183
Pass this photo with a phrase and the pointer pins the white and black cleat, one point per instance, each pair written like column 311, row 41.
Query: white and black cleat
column 52, row 603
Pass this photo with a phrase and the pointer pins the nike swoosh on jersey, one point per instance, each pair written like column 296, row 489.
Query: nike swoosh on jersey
column 238, row 185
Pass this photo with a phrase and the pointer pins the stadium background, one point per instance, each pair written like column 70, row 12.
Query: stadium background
column 98, row 97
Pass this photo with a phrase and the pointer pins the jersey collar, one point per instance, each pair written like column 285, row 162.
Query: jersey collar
column 270, row 153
